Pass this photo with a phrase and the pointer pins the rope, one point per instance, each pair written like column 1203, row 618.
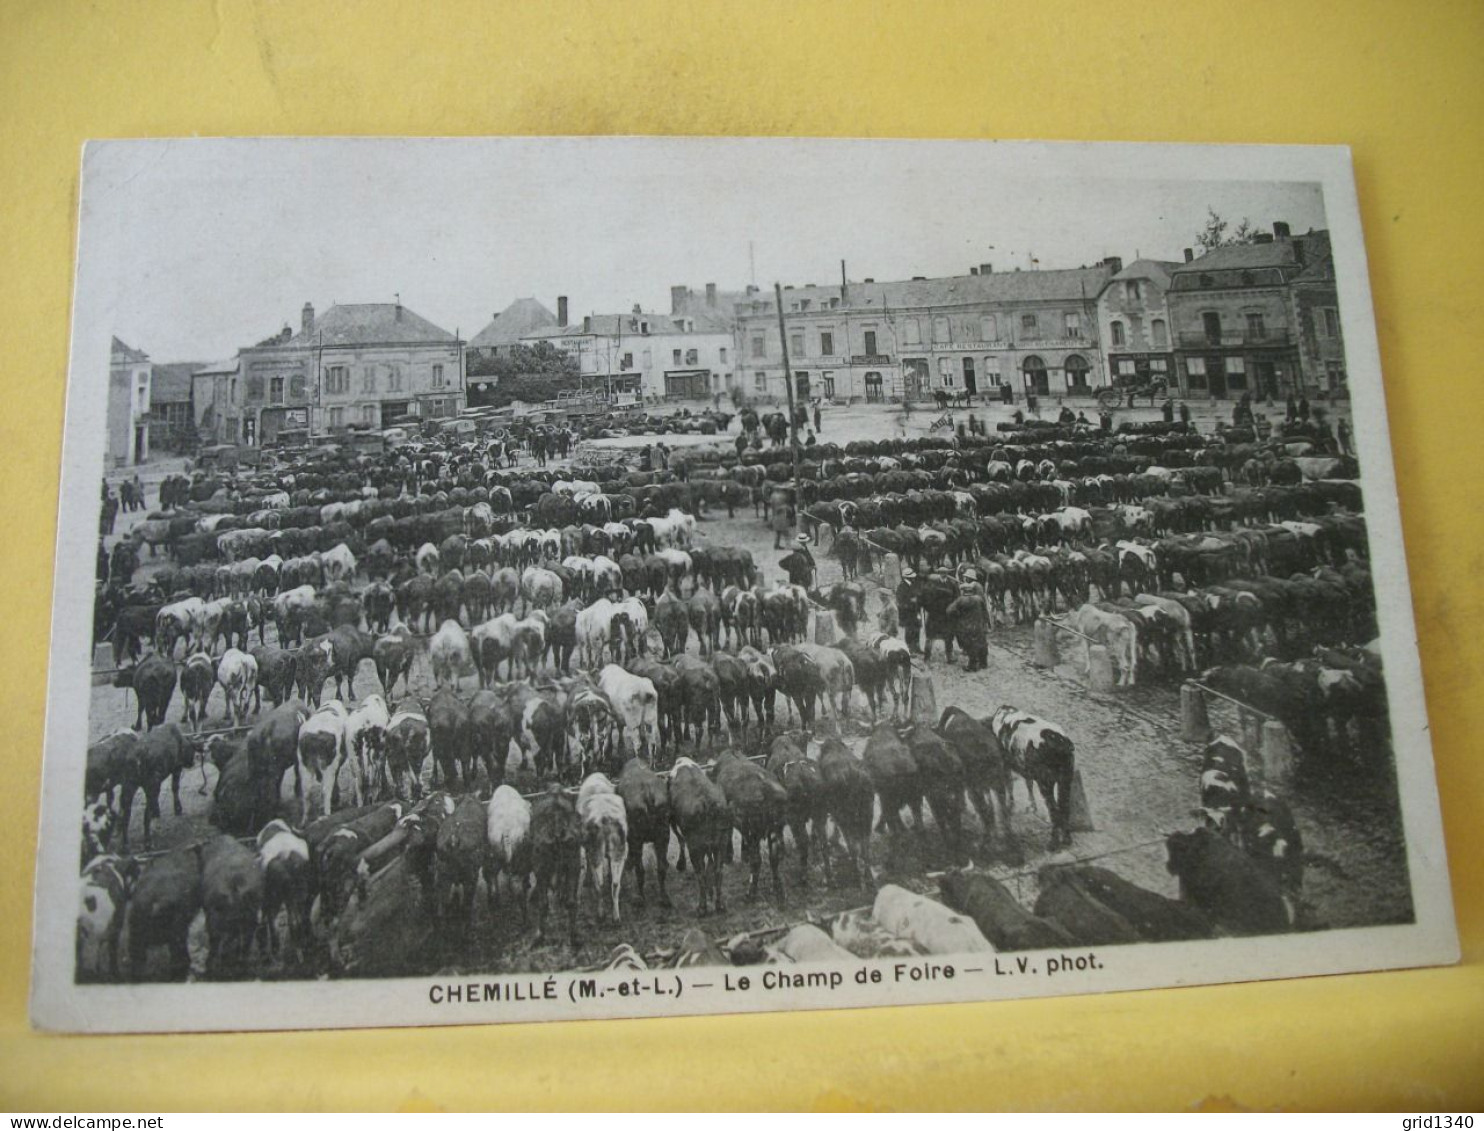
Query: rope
column 1237, row 702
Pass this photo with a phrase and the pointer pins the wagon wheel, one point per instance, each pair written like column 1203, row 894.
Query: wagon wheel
column 1109, row 399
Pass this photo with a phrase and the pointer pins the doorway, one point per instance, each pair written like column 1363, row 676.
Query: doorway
column 971, row 380
column 1216, row 372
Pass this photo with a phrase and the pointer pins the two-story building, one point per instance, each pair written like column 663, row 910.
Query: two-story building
column 1259, row 318
column 359, row 365
column 129, row 377
column 674, row 356
column 216, row 400
column 1134, row 323
column 1035, row 331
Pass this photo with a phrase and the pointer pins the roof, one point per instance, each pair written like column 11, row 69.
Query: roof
column 623, row 325
column 513, row 323
column 370, row 324
column 1156, row 269
column 124, row 355
column 1273, row 253
column 172, row 381
column 1075, row 284
column 215, row 367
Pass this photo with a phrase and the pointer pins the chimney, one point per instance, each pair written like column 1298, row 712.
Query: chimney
column 561, row 310
column 1189, row 255
column 398, row 313
column 587, row 323
column 973, row 270
column 844, row 284
column 1113, row 263
column 306, row 317
column 636, row 308
column 986, row 268
column 1280, row 229
column 751, row 288
column 678, row 297
column 711, row 295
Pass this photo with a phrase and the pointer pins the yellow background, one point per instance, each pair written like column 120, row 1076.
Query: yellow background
column 1400, row 82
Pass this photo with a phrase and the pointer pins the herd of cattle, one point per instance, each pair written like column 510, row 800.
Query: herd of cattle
column 544, row 773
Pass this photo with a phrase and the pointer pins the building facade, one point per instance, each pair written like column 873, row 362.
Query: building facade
column 1134, row 323
column 129, row 380
column 216, row 401
column 523, row 316
column 663, row 356
column 1035, row 331
column 1259, row 318
column 361, row 365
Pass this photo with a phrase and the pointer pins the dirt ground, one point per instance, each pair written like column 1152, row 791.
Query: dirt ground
column 1140, row 781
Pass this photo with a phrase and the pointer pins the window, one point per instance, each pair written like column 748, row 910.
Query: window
column 1207, row 281
column 870, row 336
column 873, row 387
column 1158, row 365
column 692, row 357
column 337, row 379
column 368, row 414
column 759, row 345
column 368, row 379
column 1161, row 334
column 627, row 361
column 827, row 383
column 827, row 343
column 337, row 417
column 723, row 352
column 1028, row 325
column 989, row 330
column 437, row 376
column 911, row 332
column 1126, row 367
column 1195, row 372
column 1236, row 372
column 796, row 344
column 1211, row 324
column 1334, row 372
column 941, row 332
column 647, row 358
column 1331, row 322
column 275, row 388
column 1255, row 328
column 760, row 381
column 1074, row 324
column 296, row 387
column 394, row 379
column 1131, row 290
column 946, row 376
column 674, row 357
column 233, row 393
column 1116, row 330
column 255, row 388
column 991, row 371
column 968, row 372
column 1076, row 369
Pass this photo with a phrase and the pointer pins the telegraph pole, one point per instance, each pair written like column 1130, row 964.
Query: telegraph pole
column 793, row 416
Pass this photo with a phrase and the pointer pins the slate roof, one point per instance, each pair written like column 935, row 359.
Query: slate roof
column 172, row 381
column 1008, row 287
column 1274, row 253
column 1155, row 269
column 370, row 324
column 228, row 366
column 516, row 321
column 621, row 325
column 125, row 355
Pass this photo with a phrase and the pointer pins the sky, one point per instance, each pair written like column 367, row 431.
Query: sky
column 202, row 247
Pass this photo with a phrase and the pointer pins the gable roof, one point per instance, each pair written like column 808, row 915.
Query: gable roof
column 125, row 355
column 171, row 381
column 370, row 324
column 215, row 367
column 1076, row 284
column 517, row 320
column 1156, row 269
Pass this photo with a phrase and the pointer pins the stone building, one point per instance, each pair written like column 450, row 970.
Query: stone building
column 662, row 356
column 216, row 402
column 1032, row 330
column 1259, row 318
column 1134, row 323
column 357, row 365
column 129, row 378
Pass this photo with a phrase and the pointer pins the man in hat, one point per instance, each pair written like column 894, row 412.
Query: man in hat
column 799, row 564
column 909, row 612
column 969, row 613
column 780, row 517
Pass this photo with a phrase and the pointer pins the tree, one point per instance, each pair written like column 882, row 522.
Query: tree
column 1214, row 234
column 527, row 373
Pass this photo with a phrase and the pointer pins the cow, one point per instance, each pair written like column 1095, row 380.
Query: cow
column 1153, row 917
column 448, row 733
column 104, row 890
column 197, row 680
column 700, row 815
column 1233, row 890
column 232, row 897
column 1043, row 755
column 459, row 856
column 322, row 753
column 605, row 841
column 758, row 804
column 986, row 769
column 508, row 850
column 556, row 849
column 807, row 806
column 153, row 679
column 393, row 653
column 365, row 742
column 288, row 884
column 850, row 798
column 237, row 672
column 1115, row 632
column 998, row 915
column 407, row 748
column 162, row 753
column 894, row 776
column 636, row 703
column 646, row 800
column 166, row 897
column 449, row 655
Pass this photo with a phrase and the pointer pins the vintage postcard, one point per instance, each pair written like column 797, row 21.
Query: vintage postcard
column 551, row 578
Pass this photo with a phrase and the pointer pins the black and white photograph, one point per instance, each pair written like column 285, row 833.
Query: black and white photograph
column 537, row 579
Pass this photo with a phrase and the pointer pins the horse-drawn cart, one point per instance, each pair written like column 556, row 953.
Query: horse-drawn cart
column 1126, row 390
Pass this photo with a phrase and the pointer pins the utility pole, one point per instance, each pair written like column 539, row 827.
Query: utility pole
column 793, row 416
